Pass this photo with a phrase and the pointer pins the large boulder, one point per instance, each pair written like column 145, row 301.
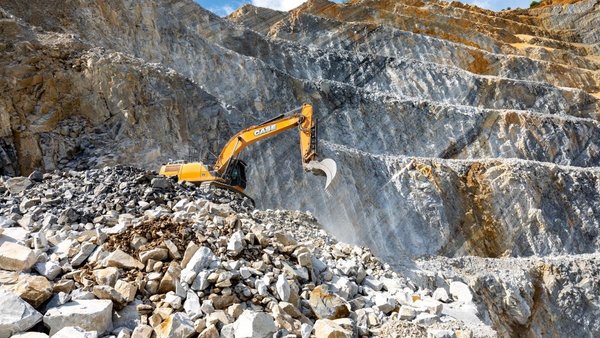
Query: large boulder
column 253, row 324
column 327, row 305
column 90, row 315
column 16, row 315
column 34, row 289
column 17, row 185
column 16, row 257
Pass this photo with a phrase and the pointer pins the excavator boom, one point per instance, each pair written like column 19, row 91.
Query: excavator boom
column 229, row 170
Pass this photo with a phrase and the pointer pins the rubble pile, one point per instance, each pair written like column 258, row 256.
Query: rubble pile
column 123, row 252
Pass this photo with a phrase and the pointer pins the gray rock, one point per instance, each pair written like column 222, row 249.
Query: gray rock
column 16, row 315
column 128, row 316
column 17, row 185
column 84, row 252
column 373, row 283
column 253, row 324
column 90, row 315
column 407, row 313
column 161, row 183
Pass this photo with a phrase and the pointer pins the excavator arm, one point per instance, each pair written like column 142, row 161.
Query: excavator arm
column 308, row 142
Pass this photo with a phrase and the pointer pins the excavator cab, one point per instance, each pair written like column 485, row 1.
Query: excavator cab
column 236, row 174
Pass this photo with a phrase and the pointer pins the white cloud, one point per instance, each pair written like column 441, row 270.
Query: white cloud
column 222, row 10
column 281, row 5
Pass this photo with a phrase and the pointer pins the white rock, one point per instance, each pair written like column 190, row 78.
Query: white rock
column 283, row 288
column 74, row 332
column 441, row 294
column 392, row 285
column 385, row 303
column 201, row 281
column 430, row 305
column 177, row 325
column 30, row 335
column 16, row 257
column 236, row 242
column 461, row 292
column 437, row 333
column 253, row 324
column 92, row 315
column 13, row 235
column 262, row 286
column 344, row 287
column 426, row 319
column 49, row 269
column 347, row 267
column 16, row 315
column 172, row 299
column 373, row 283
column 202, row 259
column 192, row 305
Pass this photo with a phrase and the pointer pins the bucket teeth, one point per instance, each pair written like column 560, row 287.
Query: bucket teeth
column 327, row 167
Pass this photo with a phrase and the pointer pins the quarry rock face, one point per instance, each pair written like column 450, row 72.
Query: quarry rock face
column 457, row 132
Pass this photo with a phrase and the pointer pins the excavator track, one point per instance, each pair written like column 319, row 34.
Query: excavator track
column 211, row 189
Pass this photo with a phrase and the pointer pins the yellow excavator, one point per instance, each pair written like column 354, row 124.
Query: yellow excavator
column 229, row 172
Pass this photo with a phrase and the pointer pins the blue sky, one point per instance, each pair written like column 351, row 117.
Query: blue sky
column 224, row 7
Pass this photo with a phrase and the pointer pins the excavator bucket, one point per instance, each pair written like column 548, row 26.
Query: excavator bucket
column 327, row 167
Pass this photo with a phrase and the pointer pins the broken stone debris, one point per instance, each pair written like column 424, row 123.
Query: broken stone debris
column 181, row 261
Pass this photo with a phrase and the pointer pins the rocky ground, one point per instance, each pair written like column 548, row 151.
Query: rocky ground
column 123, row 252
